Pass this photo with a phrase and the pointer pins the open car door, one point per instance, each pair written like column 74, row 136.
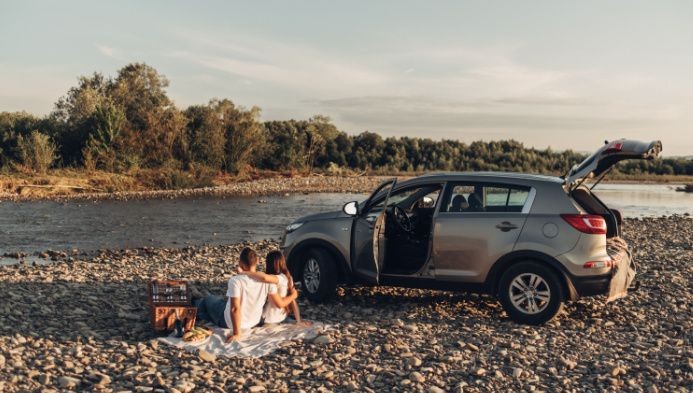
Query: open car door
column 367, row 234
column 598, row 164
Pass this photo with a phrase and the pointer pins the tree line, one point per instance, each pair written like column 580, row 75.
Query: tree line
column 128, row 122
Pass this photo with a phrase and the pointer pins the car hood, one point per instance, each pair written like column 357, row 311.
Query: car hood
column 322, row 216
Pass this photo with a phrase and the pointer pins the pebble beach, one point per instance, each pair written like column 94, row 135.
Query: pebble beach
column 261, row 187
column 81, row 324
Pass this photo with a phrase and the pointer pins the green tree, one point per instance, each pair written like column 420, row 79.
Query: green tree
column 74, row 112
column 106, row 125
column 36, row 151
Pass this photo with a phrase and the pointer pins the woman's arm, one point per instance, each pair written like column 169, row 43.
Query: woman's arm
column 262, row 277
column 294, row 310
column 282, row 302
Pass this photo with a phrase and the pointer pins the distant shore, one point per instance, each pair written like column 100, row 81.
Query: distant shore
column 79, row 186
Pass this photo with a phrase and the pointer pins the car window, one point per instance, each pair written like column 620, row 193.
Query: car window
column 517, row 199
column 470, row 198
column 424, row 196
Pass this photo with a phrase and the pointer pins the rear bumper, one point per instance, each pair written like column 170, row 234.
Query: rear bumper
column 591, row 286
column 614, row 284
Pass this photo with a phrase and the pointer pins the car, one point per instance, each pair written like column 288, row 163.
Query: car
column 533, row 241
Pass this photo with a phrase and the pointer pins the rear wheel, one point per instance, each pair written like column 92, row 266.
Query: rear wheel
column 318, row 275
column 531, row 293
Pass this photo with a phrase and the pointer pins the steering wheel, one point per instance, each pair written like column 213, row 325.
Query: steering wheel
column 402, row 218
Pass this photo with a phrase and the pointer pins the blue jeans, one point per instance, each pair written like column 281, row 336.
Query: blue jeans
column 211, row 309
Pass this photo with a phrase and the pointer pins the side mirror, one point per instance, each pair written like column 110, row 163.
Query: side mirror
column 351, row 208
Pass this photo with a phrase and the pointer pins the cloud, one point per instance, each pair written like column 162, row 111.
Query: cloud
column 280, row 64
column 106, row 50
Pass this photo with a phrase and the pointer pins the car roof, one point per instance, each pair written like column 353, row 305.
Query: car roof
column 486, row 176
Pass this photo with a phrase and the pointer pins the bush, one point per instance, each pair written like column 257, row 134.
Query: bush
column 168, row 178
column 36, row 151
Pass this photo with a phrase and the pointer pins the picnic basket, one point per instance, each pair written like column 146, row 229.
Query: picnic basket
column 170, row 300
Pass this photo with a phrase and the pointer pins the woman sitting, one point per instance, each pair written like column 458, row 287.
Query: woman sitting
column 277, row 273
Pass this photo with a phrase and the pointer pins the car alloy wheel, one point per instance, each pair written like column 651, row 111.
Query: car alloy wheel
column 311, row 275
column 529, row 293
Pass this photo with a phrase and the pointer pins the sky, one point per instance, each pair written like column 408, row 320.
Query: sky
column 559, row 74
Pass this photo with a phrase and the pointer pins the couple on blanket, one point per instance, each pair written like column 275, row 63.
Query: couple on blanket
column 253, row 297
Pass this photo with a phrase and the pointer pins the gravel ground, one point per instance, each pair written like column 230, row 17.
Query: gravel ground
column 267, row 186
column 82, row 325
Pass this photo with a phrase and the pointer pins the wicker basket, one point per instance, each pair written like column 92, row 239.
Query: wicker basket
column 170, row 300
column 169, row 293
column 164, row 317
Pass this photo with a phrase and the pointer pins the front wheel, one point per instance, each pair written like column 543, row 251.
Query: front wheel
column 530, row 293
column 318, row 275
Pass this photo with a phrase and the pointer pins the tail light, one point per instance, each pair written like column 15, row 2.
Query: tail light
column 586, row 223
column 597, row 264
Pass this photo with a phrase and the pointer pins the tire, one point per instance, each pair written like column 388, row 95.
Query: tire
column 543, row 286
column 318, row 275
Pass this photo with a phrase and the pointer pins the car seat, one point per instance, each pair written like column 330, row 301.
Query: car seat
column 475, row 204
column 459, row 203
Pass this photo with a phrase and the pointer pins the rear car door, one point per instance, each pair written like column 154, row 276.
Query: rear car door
column 477, row 224
column 366, row 231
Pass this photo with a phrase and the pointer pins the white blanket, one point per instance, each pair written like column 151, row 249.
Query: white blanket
column 253, row 343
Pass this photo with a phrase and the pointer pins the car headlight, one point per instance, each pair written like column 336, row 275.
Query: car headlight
column 293, row 227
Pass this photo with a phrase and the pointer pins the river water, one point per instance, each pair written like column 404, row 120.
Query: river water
column 31, row 227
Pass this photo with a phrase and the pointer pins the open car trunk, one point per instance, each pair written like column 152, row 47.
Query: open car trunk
column 596, row 167
column 611, row 153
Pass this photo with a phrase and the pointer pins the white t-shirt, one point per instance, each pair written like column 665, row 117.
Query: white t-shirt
column 253, row 295
column 272, row 313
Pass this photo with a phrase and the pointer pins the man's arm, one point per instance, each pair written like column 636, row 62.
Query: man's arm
column 235, row 311
column 262, row 277
column 282, row 302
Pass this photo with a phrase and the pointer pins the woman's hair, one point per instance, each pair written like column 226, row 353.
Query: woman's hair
column 276, row 264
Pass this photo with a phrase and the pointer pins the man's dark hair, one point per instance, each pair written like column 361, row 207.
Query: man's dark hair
column 248, row 257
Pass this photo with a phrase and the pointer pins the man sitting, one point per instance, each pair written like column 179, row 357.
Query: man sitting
column 245, row 299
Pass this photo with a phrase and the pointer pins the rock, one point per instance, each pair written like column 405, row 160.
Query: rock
column 44, row 379
column 414, row 361
column 435, row 389
column 322, row 340
column 256, row 389
column 517, row 372
column 207, row 356
column 480, row 372
column 616, row 371
column 569, row 364
column 68, row 382
column 417, row 377
column 2, row 361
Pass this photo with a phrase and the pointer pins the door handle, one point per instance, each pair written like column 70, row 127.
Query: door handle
column 506, row 226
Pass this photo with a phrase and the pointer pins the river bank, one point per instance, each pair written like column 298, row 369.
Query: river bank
column 82, row 323
column 265, row 186
column 72, row 185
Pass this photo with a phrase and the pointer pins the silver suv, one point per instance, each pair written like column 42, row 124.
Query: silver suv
column 533, row 241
